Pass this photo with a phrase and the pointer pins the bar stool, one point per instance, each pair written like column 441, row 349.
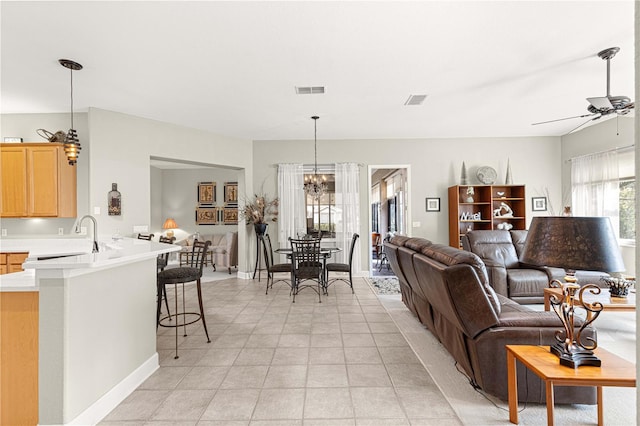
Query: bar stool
column 182, row 275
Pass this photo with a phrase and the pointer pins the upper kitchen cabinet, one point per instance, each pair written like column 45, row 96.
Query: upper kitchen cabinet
column 36, row 181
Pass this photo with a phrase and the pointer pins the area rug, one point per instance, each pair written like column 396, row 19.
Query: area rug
column 385, row 285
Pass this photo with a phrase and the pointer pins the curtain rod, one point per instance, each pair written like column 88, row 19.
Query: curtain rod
column 322, row 165
column 617, row 149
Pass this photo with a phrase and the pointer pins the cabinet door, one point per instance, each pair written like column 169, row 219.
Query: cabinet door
column 13, row 172
column 43, row 186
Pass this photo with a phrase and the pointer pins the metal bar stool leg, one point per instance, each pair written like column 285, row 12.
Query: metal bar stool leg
column 204, row 322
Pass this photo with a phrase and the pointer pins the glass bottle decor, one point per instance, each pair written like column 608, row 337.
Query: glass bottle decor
column 114, row 201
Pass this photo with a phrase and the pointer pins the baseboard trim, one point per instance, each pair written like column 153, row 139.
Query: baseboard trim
column 103, row 406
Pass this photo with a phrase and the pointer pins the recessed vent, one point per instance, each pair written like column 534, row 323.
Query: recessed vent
column 415, row 100
column 309, row 90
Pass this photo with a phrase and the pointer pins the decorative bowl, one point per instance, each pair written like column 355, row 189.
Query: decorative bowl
column 618, row 287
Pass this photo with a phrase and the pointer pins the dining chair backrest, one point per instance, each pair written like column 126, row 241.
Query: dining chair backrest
column 163, row 259
column 352, row 247
column 198, row 255
column 305, row 258
column 147, row 237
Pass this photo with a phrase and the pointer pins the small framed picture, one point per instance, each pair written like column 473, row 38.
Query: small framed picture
column 230, row 216
column 433, row 204
column 539, row 204
column 231, row 193
column 206, row 215
column 206, row 193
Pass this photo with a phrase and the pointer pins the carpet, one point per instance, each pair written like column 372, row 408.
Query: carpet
column 385, row 285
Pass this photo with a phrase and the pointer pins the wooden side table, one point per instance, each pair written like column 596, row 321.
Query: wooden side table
column 614, row 371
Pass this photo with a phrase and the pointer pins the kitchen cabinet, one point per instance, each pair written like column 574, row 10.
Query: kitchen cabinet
column 474, row 207
column 19, row 312
column 36, row 181
column 11, row 262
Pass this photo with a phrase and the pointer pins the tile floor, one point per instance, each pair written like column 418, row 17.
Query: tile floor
column 273, row 362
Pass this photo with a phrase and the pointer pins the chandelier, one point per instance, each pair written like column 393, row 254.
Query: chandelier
column 315, row 185
column 71, row 141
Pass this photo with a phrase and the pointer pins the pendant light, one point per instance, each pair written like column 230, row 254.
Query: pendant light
column 315, row 185
column 71, row 143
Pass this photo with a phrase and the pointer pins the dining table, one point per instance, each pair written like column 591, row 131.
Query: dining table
column 325, row 253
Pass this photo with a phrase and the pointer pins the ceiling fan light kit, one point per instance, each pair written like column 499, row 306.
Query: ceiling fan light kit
column 603, row 105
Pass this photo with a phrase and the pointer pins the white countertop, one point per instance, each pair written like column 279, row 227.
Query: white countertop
column 111, row 254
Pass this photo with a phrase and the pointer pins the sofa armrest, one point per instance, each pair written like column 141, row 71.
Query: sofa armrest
column 498, row 278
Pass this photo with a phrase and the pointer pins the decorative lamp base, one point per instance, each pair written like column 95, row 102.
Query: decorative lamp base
column 575, row 359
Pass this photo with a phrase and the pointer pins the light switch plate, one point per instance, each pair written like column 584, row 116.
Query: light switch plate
column 140, row 228
column 96, row 210
column 60, row 231
column 416, row 224
column 4, row 232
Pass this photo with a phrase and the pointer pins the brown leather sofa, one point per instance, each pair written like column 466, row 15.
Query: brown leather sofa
column 500, row 251
column 448, row 290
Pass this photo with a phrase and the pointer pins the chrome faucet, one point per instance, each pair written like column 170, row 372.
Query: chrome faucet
column 95, row 230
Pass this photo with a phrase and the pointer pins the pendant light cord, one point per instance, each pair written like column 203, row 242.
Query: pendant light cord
column 315, row 146
column 71, row 71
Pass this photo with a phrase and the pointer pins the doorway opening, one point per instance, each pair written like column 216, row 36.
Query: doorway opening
column 389, row 200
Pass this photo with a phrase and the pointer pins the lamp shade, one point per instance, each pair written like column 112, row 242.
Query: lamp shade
column 169, row 224
column 585, row 243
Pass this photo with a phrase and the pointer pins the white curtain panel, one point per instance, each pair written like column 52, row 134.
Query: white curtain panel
column 348, row 211
column 291, row 214
column 595, row 186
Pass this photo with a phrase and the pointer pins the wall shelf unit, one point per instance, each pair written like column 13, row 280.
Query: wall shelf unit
column 476, row 207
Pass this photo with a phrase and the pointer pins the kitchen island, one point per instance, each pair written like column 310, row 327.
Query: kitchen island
column 96, row 331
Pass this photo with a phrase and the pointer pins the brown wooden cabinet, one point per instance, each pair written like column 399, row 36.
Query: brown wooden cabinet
column 19, row 313
column 474, row 207
column 11, row 262
column 36, row 181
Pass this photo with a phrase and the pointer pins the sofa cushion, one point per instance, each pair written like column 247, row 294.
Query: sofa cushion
column 494, row 247
column 525, row 282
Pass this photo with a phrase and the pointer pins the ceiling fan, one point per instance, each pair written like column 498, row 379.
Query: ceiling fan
column 605, row 105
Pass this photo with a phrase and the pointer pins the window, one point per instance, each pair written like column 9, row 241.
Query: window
column 375, row 208
column 322, row 214
column 627, row 209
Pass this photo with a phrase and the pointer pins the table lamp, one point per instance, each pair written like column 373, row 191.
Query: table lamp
column 572, row 243
column 170, row 224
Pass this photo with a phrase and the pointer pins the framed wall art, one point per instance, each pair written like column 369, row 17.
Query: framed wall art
column 539, row 204
column 206, row 216
column 231, row 193
column 230, row 216
column 206, row 193
column 433, row 204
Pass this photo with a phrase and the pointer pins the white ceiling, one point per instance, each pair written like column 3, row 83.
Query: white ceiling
column 490, row 68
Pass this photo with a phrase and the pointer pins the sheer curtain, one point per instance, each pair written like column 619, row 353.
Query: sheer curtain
column 595, row 186
column 348, row 206
column 292, row 216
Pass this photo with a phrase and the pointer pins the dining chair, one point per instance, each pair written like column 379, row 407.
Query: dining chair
column 306, row 266
column 342, row 267
column 146, row 237
column 273, row 268
column 182, row 275
column 376, row 243
column 162, row 261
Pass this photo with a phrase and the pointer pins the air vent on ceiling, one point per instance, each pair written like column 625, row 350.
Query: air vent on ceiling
column 415, row 99
column 309, row 90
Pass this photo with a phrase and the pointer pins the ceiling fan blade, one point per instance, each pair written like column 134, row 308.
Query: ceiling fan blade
column 568, row 118
column 588, row 121
column 600, row 102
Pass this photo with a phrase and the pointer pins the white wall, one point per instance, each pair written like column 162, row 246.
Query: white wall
column 434, row 166
column 179, row 199
column 120, row 149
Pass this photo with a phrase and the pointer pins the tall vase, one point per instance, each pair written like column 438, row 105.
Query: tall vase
column 260, row 228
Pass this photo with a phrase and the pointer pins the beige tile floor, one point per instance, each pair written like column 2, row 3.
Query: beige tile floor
column 272, row 362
